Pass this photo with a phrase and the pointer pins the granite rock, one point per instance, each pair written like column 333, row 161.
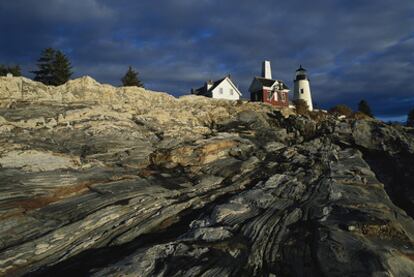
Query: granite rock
column 104, row 181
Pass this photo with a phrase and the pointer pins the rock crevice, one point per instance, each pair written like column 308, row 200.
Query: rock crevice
column 104, row 181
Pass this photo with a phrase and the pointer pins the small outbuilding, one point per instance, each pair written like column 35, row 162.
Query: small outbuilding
column 220, row 89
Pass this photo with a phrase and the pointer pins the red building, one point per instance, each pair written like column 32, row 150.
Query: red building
column 265, row 89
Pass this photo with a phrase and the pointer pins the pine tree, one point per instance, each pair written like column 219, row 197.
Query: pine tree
column 45, row 65
column 15, row 70
column 61, row 69
column 3, row 70
column 54, row 68
column 363, row 107
column 410, row 118
column 130, row 79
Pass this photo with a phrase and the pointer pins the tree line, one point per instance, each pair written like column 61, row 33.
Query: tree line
column 12, row 69
column 365, row 110
column 54, row 69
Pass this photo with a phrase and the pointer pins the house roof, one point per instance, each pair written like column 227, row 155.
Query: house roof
column 216, row 83
column 270, row 82
column 265, row 82
column 284, row 86
column 200, row 91
column 203, row 90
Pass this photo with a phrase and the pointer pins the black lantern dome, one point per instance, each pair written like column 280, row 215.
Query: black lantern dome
column 301, row 73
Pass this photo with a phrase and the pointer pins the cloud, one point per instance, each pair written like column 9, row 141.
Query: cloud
column 61, row 11
column 352, row 49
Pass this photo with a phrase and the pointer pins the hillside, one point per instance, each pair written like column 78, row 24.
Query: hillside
column 104, row 181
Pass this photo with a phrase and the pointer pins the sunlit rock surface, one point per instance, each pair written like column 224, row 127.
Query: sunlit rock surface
column 104, row 181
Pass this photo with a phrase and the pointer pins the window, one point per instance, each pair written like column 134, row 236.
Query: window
column 231, row 91
column 269, row 95
column 301, row 90
column 221, row 90
column 274, row 93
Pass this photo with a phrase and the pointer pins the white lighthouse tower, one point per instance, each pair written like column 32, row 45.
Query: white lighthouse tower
column 302, row 87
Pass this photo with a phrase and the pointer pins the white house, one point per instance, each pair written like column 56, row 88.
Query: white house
column 221, row 89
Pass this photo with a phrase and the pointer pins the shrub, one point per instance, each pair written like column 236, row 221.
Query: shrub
column 410, row 118
column 318, row 116
column 302, row 107
column 360, row 115
column 341, row 110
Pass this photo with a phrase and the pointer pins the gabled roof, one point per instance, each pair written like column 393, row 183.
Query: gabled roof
column 265, row 82
column 233, row 85
column 270, row 82
column 199, row 91
column 216, row 83
column 203, row 90
column 284, row 86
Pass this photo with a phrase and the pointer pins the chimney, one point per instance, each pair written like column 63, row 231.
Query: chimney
column 266, row 70
column 209, row 84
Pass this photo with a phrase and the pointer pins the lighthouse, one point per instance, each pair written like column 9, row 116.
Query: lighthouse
column 302, row 87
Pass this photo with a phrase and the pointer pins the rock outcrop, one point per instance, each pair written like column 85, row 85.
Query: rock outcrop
column 104, row 181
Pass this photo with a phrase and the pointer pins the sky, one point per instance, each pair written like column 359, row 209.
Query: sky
column 352, row 49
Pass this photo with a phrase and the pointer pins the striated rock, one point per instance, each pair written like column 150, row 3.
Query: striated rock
column 104, row 181
column 33, row 161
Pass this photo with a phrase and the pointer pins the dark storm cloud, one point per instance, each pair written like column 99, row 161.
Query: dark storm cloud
column 352, row 49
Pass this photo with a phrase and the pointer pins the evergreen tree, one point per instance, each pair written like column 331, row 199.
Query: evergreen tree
column 3, row 70
column 130, row 79
column 61, row 69
column 45, row 65
column 410, row 118
column 15, row 70
column 54, row 68
column 363, row 107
